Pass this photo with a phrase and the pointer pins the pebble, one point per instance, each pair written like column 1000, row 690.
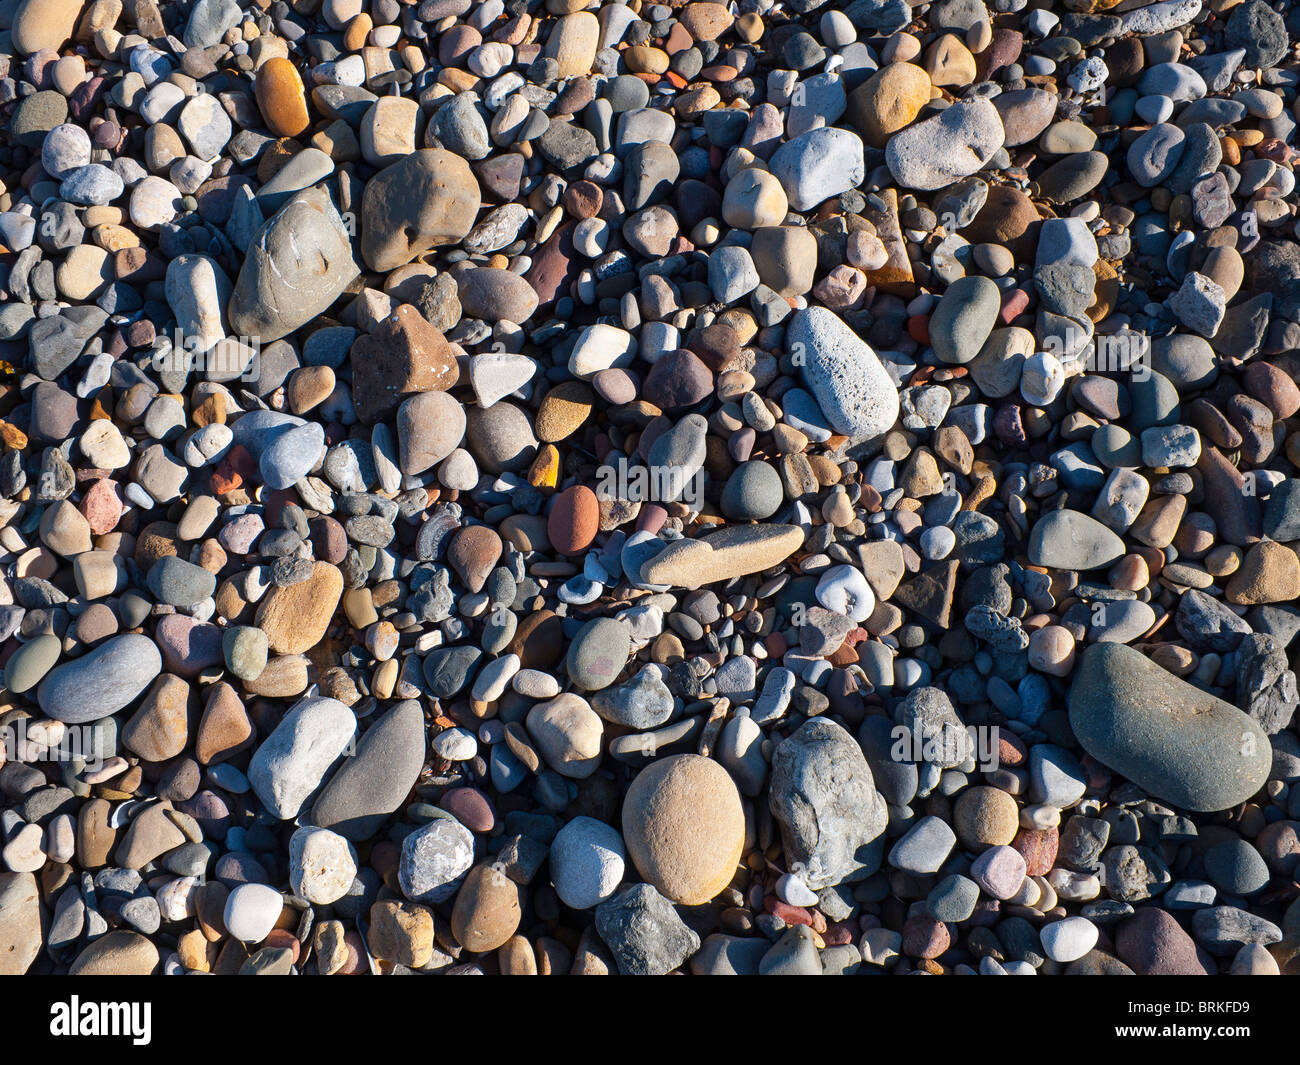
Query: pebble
column 292, row 761
column 435, row 859
column 251, row 912
column 821, row 778
column 101, row 682
column 954, row 144
column 587, row 861
column 322, row 864
column 845, row 376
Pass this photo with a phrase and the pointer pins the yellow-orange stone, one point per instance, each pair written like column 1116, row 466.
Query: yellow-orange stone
column 281, row 98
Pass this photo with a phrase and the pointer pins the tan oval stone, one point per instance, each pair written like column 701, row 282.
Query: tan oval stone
column 684, row 827
column 573, row 43
column 40, row 24
column 569, row 733
column 985, row 817
column 119, row 953
column 20, row 922
column 487, row 911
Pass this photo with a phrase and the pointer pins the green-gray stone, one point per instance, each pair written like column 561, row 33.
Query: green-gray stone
column 1178, row 743
column 1066, row 539
column 598, row 653
column 28, row 664
column 245, row 649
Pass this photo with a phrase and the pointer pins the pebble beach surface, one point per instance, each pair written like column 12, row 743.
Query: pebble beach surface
column 548, row 486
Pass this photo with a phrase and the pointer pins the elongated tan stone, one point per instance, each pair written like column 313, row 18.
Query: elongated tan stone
column 734, row 552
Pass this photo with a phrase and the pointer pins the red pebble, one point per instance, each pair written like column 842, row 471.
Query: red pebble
column 1038, row 847
column 1014, row 303
column 924, row 937
column 282, row 937
column 1011, row 749
column 789, row 914
column 838, row 934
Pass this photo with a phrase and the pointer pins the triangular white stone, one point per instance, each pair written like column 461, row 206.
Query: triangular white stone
column 495, row 376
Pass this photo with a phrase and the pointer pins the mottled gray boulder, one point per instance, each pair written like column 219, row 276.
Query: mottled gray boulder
column 1224, row 930
column 448, row 669
column 1266, row 685
column 298, row 264
column 852, row 388
column 824, row 798
column 641, row 703
column 435, row 859
column 208, row 22
column 723, row 955
column 644, row 932
column 1207, row 624
column 937, row 733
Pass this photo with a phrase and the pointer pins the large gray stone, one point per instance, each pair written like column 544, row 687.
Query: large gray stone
column 377, row 778
column 1180, row 744
column 844, row 375
column 644, row 932
column 101, row 682
column 299, row 263
column 954, row 144
column 823, row 796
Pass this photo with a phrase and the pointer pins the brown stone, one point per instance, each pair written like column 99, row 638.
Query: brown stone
column 473, row 553
column 539, row 640
column 95, row 838
column 985, row 817
column 487, row 910
column 119, row 953
column 1270, row 573
column 160, row 728
column 404, row 354
column 1038, row 848
column 684, row 827
column 224, row 727
column 149, row 836
column 889, row 100
column 295, row 617
column 564, row 410
column 574, row 520
column 401, row 932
